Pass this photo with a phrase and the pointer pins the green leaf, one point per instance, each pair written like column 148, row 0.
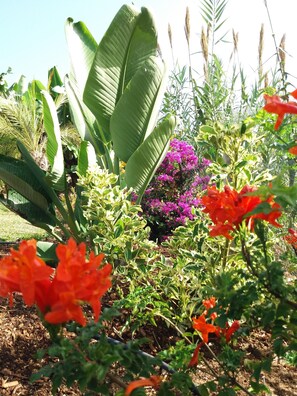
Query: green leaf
column 39, row 174
column 82, row 117
column 208, row 129
column 82, row 47
column 263, row 207
column 18, row 175
column 137, row 108
column 143, row 163
column 47, row 251
column 54, row 149
column 54, row 80
column 285, row 195
column 20, row 86
column 33, row 93
column 203, row 391
column 257, row 388
column 129, row 41
column 29, row 211
column 86, row 158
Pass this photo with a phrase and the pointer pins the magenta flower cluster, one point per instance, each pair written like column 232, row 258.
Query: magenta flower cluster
column 172, row 194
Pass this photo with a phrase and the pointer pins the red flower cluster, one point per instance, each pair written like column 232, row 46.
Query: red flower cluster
column 293, row 150
column 291, row 238
column 274, row 105
column 58, row 293
column 205, row 329
column 229, row 208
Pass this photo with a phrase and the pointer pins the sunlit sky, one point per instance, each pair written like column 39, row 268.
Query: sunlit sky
column 33, row 39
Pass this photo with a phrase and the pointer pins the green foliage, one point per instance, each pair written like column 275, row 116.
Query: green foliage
column 178, row 101
column 212, row 12
column 178, row 354
column 21, row 118
column 233, row 151
column 4, row 90
column 90, row 358
column 113, row 224
column 169, row 288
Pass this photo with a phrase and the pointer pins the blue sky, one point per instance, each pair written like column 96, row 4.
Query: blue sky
column 32, row 32
column 33, row 39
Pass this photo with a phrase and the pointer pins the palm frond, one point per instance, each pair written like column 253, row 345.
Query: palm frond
column 20, row 120
column 212, row 11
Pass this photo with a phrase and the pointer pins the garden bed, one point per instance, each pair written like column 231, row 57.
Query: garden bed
column 22, row 335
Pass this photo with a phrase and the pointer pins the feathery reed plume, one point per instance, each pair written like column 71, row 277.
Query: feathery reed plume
column 187, row 25
column 170, row 35
column 235, row 44
column 282, row 53
column 235, row 40
column 266, row 82
column 204, row 45
column 260, row 52
column 171, row 42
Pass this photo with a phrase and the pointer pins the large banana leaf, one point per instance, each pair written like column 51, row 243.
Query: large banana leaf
column 44, row 184
column 82, row 48
column 19, row 176
column 76, row 111
column 29, row 211
column 86, row 158
column 136, row 108
column 40, row 175
column 143, row 164
column 83, row 119
column 129, row 41
column 54, row 149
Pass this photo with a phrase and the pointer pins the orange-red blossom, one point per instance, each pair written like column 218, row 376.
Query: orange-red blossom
column 204, row 328
column 275, row 105
column 291, row 238
column 154, row 381
column 228, row 209
column 58, row 294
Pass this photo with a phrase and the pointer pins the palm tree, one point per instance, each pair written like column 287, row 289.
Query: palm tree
column 21, row 118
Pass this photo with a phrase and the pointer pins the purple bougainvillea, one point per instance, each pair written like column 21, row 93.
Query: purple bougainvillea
column 172, row 194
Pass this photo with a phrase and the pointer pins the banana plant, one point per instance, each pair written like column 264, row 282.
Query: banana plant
column 115, row 89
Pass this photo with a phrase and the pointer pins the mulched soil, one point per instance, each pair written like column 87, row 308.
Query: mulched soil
column 22, row 335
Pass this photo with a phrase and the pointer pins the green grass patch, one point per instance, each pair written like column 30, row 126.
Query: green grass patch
column 13, row 227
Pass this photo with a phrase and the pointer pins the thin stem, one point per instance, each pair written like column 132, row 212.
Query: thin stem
column 247, row 257
column 225, row 253
column 116, row 380
column 283, row 77
column 112, row 377
column 190, row 342
column 71, row 216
